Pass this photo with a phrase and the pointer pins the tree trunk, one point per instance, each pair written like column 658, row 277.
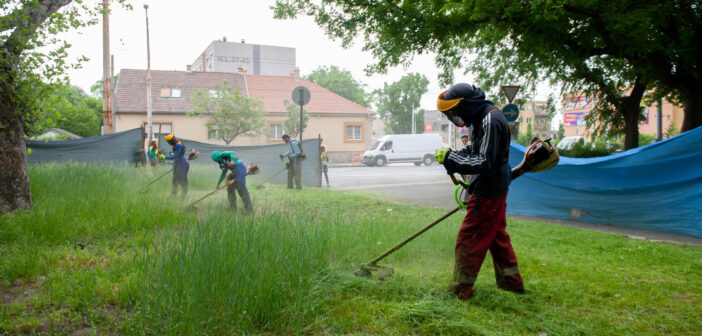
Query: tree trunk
column 631, row 112
column 14, row 181
column 693, row 109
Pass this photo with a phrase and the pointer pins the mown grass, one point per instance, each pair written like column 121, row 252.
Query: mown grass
column 97, row 256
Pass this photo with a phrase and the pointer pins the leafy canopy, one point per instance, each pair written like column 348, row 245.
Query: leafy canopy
column 399, row 100
column 230, row 113
column 340, row 82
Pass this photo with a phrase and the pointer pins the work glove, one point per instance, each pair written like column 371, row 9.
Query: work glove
column 441, row 154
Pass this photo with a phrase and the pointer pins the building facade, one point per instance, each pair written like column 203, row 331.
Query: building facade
column 223, row 56
column 344, row 126
column 576, row 107
column 536, row 114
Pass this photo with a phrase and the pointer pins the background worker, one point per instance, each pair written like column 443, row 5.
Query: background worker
column 483, row 227
column 325, row 162
column 155, row 154
column 180, row 165
column 465, row 140
column 294, row 155
column 228, row 162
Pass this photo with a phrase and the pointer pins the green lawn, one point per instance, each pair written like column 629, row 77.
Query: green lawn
column 96, row 255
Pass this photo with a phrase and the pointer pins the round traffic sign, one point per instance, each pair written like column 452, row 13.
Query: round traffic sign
column 511, row 112
column 301, row 95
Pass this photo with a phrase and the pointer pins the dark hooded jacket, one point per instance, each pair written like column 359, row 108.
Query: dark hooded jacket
column 490, row 140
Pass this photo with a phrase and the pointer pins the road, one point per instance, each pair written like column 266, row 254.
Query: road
column 431, row 186
column 403, row 182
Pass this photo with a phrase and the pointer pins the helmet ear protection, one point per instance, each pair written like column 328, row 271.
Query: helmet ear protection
column 216, row 156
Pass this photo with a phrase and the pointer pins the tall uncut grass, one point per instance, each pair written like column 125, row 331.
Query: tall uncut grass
column 96, row 255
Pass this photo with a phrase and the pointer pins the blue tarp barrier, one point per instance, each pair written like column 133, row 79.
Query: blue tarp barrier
column 655, row 187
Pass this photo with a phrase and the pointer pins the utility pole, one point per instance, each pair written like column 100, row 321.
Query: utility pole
column 414, row 126
column 106, row 76
column 112, row 92
column 149, row 127
column 659, row 119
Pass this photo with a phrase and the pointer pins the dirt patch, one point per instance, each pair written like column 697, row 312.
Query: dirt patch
column 20, row 292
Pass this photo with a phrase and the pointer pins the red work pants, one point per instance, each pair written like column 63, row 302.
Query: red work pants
column 483, row 229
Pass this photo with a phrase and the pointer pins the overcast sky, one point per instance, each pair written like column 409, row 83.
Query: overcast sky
column 180, row 30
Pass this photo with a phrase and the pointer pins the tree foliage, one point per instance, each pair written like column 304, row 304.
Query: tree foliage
column 77, row 112
column 599, row 48
column 291, row 125
column 399, row 100
column 32, row 66
column 340, row 82
column 230, row 113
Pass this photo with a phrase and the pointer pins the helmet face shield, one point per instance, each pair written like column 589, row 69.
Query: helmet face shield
column 448, row 107
column 456, row 120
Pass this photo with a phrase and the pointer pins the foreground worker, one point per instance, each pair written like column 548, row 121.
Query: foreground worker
column 180, row 165
column 483, row 228
column 294, row 155
column 236, row 181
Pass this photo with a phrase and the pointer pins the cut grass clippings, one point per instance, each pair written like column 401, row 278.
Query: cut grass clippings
column 97, row 256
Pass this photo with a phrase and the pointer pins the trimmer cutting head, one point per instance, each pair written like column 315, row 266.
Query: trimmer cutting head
column 381, row 271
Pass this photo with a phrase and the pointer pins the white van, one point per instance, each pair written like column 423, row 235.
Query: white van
column 415, row 148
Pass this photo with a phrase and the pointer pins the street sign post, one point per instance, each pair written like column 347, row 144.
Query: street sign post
column 510, row 91
column 301, row 96
column 511, row 112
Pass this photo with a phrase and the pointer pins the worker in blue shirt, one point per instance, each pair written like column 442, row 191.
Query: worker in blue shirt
column 295, row 157
column 236, row 181
column 180, row 166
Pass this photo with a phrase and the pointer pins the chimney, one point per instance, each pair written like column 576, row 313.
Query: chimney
column 296, row 74
column 242, row 71
column 188, row 67
column 224, row 39
column 204, row 62
column 243, row 41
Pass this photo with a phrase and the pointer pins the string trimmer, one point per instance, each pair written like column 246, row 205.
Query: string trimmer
column 229, row 180
column 285, row 166
column 537, row 157
column 192, row 156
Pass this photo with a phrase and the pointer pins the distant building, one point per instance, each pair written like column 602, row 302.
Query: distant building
column 436, row 122
column 223, row 56
column 576, row 107
column 56, row 134
column 344, row 126
column 535, row 113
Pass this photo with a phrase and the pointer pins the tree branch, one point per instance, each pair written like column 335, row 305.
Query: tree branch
column 29, row 19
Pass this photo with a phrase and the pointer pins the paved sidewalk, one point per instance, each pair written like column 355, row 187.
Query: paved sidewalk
column 654, row 236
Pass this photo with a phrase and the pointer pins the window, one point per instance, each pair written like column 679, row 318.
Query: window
column 276, row 131
column 159, row 129
column 528, row 120
column 387, row 145
column 353, row 132
column 213, row 134
column 170, row 93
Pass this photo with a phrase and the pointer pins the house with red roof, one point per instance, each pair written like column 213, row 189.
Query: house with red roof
column 344, row 126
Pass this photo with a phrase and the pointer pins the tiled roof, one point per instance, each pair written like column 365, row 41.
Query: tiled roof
column 130, row 93
column 274, row 89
